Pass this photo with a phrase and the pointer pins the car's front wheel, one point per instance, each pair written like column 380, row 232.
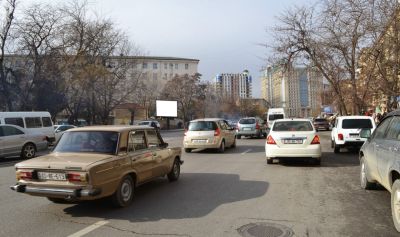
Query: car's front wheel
column 395, row 201
column 238, row 136
column 28, row 151
column 124, row 194
column 188, row 150
column 221, row 148
column 173, row 175
column 365, row 184
column 234, row 143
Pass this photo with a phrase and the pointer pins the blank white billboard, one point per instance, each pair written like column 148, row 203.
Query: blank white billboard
column 165, row 108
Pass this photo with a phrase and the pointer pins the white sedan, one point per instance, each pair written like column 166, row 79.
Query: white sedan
column 293, row 138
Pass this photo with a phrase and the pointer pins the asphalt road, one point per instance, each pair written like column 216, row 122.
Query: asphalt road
column 216, row 195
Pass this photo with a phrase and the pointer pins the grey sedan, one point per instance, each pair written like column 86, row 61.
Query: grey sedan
column 380, row 160
column 14, row 141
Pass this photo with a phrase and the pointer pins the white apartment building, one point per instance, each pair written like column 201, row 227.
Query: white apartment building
column 298, row 90
column 234, row 86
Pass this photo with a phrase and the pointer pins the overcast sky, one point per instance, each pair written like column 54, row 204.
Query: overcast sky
column 225, row 35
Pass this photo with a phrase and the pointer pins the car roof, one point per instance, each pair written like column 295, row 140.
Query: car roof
column 207, row 119
column 110, row 128
column 394, row 113
column 293, row 119
column 355, row 117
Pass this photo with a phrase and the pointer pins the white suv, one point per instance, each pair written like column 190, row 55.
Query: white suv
column 346, row 132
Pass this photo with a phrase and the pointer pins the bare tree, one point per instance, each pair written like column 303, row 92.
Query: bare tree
column 5, row 28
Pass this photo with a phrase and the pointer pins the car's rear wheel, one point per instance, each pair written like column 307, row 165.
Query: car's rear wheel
column 395, row 201
column 239, row 136
column 234, row 143
column 173, row 175
column 365, row 184
column 336, row 148
column 221, row 148
column 28, row 151
column 188, row 150
column 269, row 160
column 123, row 196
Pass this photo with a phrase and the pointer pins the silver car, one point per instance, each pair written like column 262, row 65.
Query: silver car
column 380, row 160
column 209, row 133
column 252, row 127
column 14, row 141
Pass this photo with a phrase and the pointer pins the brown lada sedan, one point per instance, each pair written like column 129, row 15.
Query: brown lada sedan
column 100, row 161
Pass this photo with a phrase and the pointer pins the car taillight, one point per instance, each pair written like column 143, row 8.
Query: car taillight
column 340, row 136
column 217, row 132
column 270, row 140
column 25, row 175
column 315, row 140
column 257, row 126
column 76, row 177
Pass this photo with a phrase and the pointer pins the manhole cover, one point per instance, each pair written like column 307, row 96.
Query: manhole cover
column 264, row 229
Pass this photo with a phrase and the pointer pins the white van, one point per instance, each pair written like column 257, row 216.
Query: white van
column 274, row 114
column 34, row 122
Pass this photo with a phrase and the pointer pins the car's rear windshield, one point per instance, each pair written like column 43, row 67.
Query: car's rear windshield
column 202, row 126
column 320, row 120
column 285, row 126
column 144, row 123
column 247, row 121
column 88, row 141
column 272, row 117
column 356, row 123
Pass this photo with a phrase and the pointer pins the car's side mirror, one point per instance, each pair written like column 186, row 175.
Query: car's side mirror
column 365, row 133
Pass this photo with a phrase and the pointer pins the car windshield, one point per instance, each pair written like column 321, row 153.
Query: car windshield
column 247, row 121
column 285, row 126
column 88, row 141
column 272, row 117
column 202, row 126
column 356, row 123
column 144, row 123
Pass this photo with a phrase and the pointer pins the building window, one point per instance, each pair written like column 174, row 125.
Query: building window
column 165, row 76
column 171, row 66
column 155, row 65
column 165, row 65
column 186, row 66
column 144, row 65
column 171, row 75
column 176, row 66
column 154, row 76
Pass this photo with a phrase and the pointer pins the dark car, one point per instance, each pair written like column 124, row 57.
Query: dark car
column 321, row 123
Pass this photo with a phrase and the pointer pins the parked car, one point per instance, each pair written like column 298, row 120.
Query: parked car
column 209, row 133
column 290, row 138
column 60, row 129
column 31, row 122
column 251, row 127
column 100, row 161
column 380, row 160
column 14, row 141
column 346, row 132
column 321, row 123
column 151, row 123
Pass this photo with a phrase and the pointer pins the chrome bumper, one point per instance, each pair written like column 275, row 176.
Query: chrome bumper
column 67, row 193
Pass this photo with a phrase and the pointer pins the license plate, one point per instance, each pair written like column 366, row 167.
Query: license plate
column 199, row 141
column 246, row 129
column 51, row 176
column 293, row 141
column 355, row 136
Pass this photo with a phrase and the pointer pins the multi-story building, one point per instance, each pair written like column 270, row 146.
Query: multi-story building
column 234, row 86
column 297, row 89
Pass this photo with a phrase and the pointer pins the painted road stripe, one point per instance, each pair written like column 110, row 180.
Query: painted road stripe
column 89, row 229
column 245, row 151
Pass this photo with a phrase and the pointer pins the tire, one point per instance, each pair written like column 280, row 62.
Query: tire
column 239, row 136
column 336, row 148
column 317, row 161
column 221, row 148
column 188, row 150
column 364, row 183
column 332, row 144
column 233, row 144
column 58, row 200
column 269, row 161
column 28, row 151
column 123, row 196
column 175, row 172
column 395, row 204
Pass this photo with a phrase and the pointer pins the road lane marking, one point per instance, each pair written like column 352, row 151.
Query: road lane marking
column 89, row 229
column 245, row 151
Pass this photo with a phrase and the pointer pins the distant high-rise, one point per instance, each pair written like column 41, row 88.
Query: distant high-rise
column 298, row 90
column 234, row 86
